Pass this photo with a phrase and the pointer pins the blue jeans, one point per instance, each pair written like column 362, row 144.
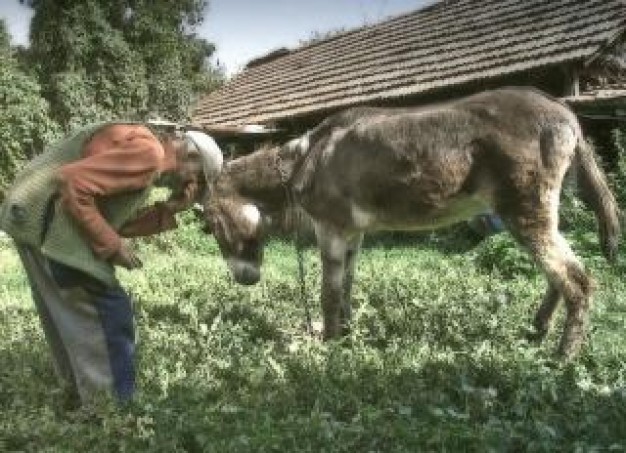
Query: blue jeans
column 116, row 317
column 88, row 326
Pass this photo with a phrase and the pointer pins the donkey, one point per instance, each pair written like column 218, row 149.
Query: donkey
column 368, row 169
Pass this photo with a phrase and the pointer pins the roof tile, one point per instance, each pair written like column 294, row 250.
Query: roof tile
column 442, row 45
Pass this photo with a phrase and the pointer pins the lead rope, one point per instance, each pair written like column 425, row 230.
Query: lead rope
column 298, row 245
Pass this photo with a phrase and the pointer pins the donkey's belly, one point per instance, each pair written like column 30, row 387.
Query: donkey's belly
column 401, row 215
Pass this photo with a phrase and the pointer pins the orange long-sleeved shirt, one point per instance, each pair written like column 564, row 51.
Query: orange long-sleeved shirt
column 119, row 158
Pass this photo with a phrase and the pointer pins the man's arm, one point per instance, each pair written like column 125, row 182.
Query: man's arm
column 160, row 217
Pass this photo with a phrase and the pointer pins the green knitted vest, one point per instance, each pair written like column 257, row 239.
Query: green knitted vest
column 22, row 213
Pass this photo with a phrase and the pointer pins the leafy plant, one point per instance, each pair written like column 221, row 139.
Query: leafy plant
column 500, row 253
column 25, row 125
column 435, row 362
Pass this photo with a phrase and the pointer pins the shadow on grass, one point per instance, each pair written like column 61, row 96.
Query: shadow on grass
column 452, row 240
column 335, row 397
column 348, row 405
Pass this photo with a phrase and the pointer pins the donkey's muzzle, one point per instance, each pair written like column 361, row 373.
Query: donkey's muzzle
column 249, row 277
column 243, row 272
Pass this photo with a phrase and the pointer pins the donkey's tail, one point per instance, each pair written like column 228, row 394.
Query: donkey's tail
column 597, row 195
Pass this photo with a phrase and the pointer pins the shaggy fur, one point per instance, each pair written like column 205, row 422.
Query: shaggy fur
column 369, row 169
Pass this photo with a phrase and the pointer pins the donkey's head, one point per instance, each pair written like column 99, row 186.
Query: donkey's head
column 247, row 188
column 236, row 224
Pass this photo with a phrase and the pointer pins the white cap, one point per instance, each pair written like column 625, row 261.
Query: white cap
column 212, row 158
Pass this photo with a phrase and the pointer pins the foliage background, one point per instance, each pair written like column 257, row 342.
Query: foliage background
column 94, row 60
column 25, row 123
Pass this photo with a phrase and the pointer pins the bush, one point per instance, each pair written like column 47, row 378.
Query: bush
column 25, row 126
column 618, row 175
column 500, row 253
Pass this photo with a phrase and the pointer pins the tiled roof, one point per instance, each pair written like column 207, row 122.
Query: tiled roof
column 449, row 43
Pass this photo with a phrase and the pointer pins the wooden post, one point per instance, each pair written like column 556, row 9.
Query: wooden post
column 573, row 81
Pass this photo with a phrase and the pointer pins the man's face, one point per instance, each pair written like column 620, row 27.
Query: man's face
column 188, row 166
column 188, row 160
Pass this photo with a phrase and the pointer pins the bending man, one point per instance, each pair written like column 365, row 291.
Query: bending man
column 69, row 212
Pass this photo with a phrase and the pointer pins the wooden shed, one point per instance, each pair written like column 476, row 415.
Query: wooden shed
column 573, row 49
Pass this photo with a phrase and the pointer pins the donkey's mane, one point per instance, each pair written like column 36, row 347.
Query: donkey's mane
column 255, row 168
column 257, row 174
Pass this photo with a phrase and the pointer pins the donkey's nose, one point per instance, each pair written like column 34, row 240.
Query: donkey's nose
column 249, row 276
column 245, row 273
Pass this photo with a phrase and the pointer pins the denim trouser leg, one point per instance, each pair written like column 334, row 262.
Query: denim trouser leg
column 88, row 326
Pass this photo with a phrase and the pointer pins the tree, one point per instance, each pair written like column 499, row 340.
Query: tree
column 5, row 39
column 100, row 59
column 176, row 59
column 87, row 69
column 25, row 125
column 317, row 36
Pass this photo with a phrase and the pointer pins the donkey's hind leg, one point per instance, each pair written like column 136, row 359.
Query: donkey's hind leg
column 543, row 317
column 569, row 275
column 566, row 277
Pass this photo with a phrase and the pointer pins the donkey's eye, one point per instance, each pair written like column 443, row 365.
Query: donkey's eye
column 251, row 243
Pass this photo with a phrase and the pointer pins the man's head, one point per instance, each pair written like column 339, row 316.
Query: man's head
column 197, row 155
column 195, row 162
column 202, row 146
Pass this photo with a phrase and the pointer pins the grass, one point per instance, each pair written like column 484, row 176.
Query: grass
column 436, row 360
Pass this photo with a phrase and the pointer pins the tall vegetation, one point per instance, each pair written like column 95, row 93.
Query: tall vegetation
column 173, row 56
column 93, row 60
column 87, row 69
column 100, row 59
column 25, row 124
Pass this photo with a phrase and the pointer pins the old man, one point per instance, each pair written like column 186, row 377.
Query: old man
column 70, row 211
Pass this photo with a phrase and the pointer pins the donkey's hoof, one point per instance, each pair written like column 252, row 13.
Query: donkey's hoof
column 569, row 348
column 572, row 340
column 314, row 329
column 535, row 336
column 568, row 352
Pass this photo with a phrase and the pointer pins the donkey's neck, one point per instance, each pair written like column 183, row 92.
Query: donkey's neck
column 262, row 177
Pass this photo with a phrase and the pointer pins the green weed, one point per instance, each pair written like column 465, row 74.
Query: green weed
column 436, row 359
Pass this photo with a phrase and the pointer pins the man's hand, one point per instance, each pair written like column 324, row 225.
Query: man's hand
column 184, row 199
column 126, row 257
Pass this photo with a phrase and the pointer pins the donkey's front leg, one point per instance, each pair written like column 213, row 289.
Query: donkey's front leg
column 352, row 251
column 333, row 249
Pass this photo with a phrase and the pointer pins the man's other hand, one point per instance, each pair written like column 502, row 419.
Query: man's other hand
column 184, row 199
column 126, row 257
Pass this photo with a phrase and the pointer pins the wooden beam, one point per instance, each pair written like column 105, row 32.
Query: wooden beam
column 572, row 88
